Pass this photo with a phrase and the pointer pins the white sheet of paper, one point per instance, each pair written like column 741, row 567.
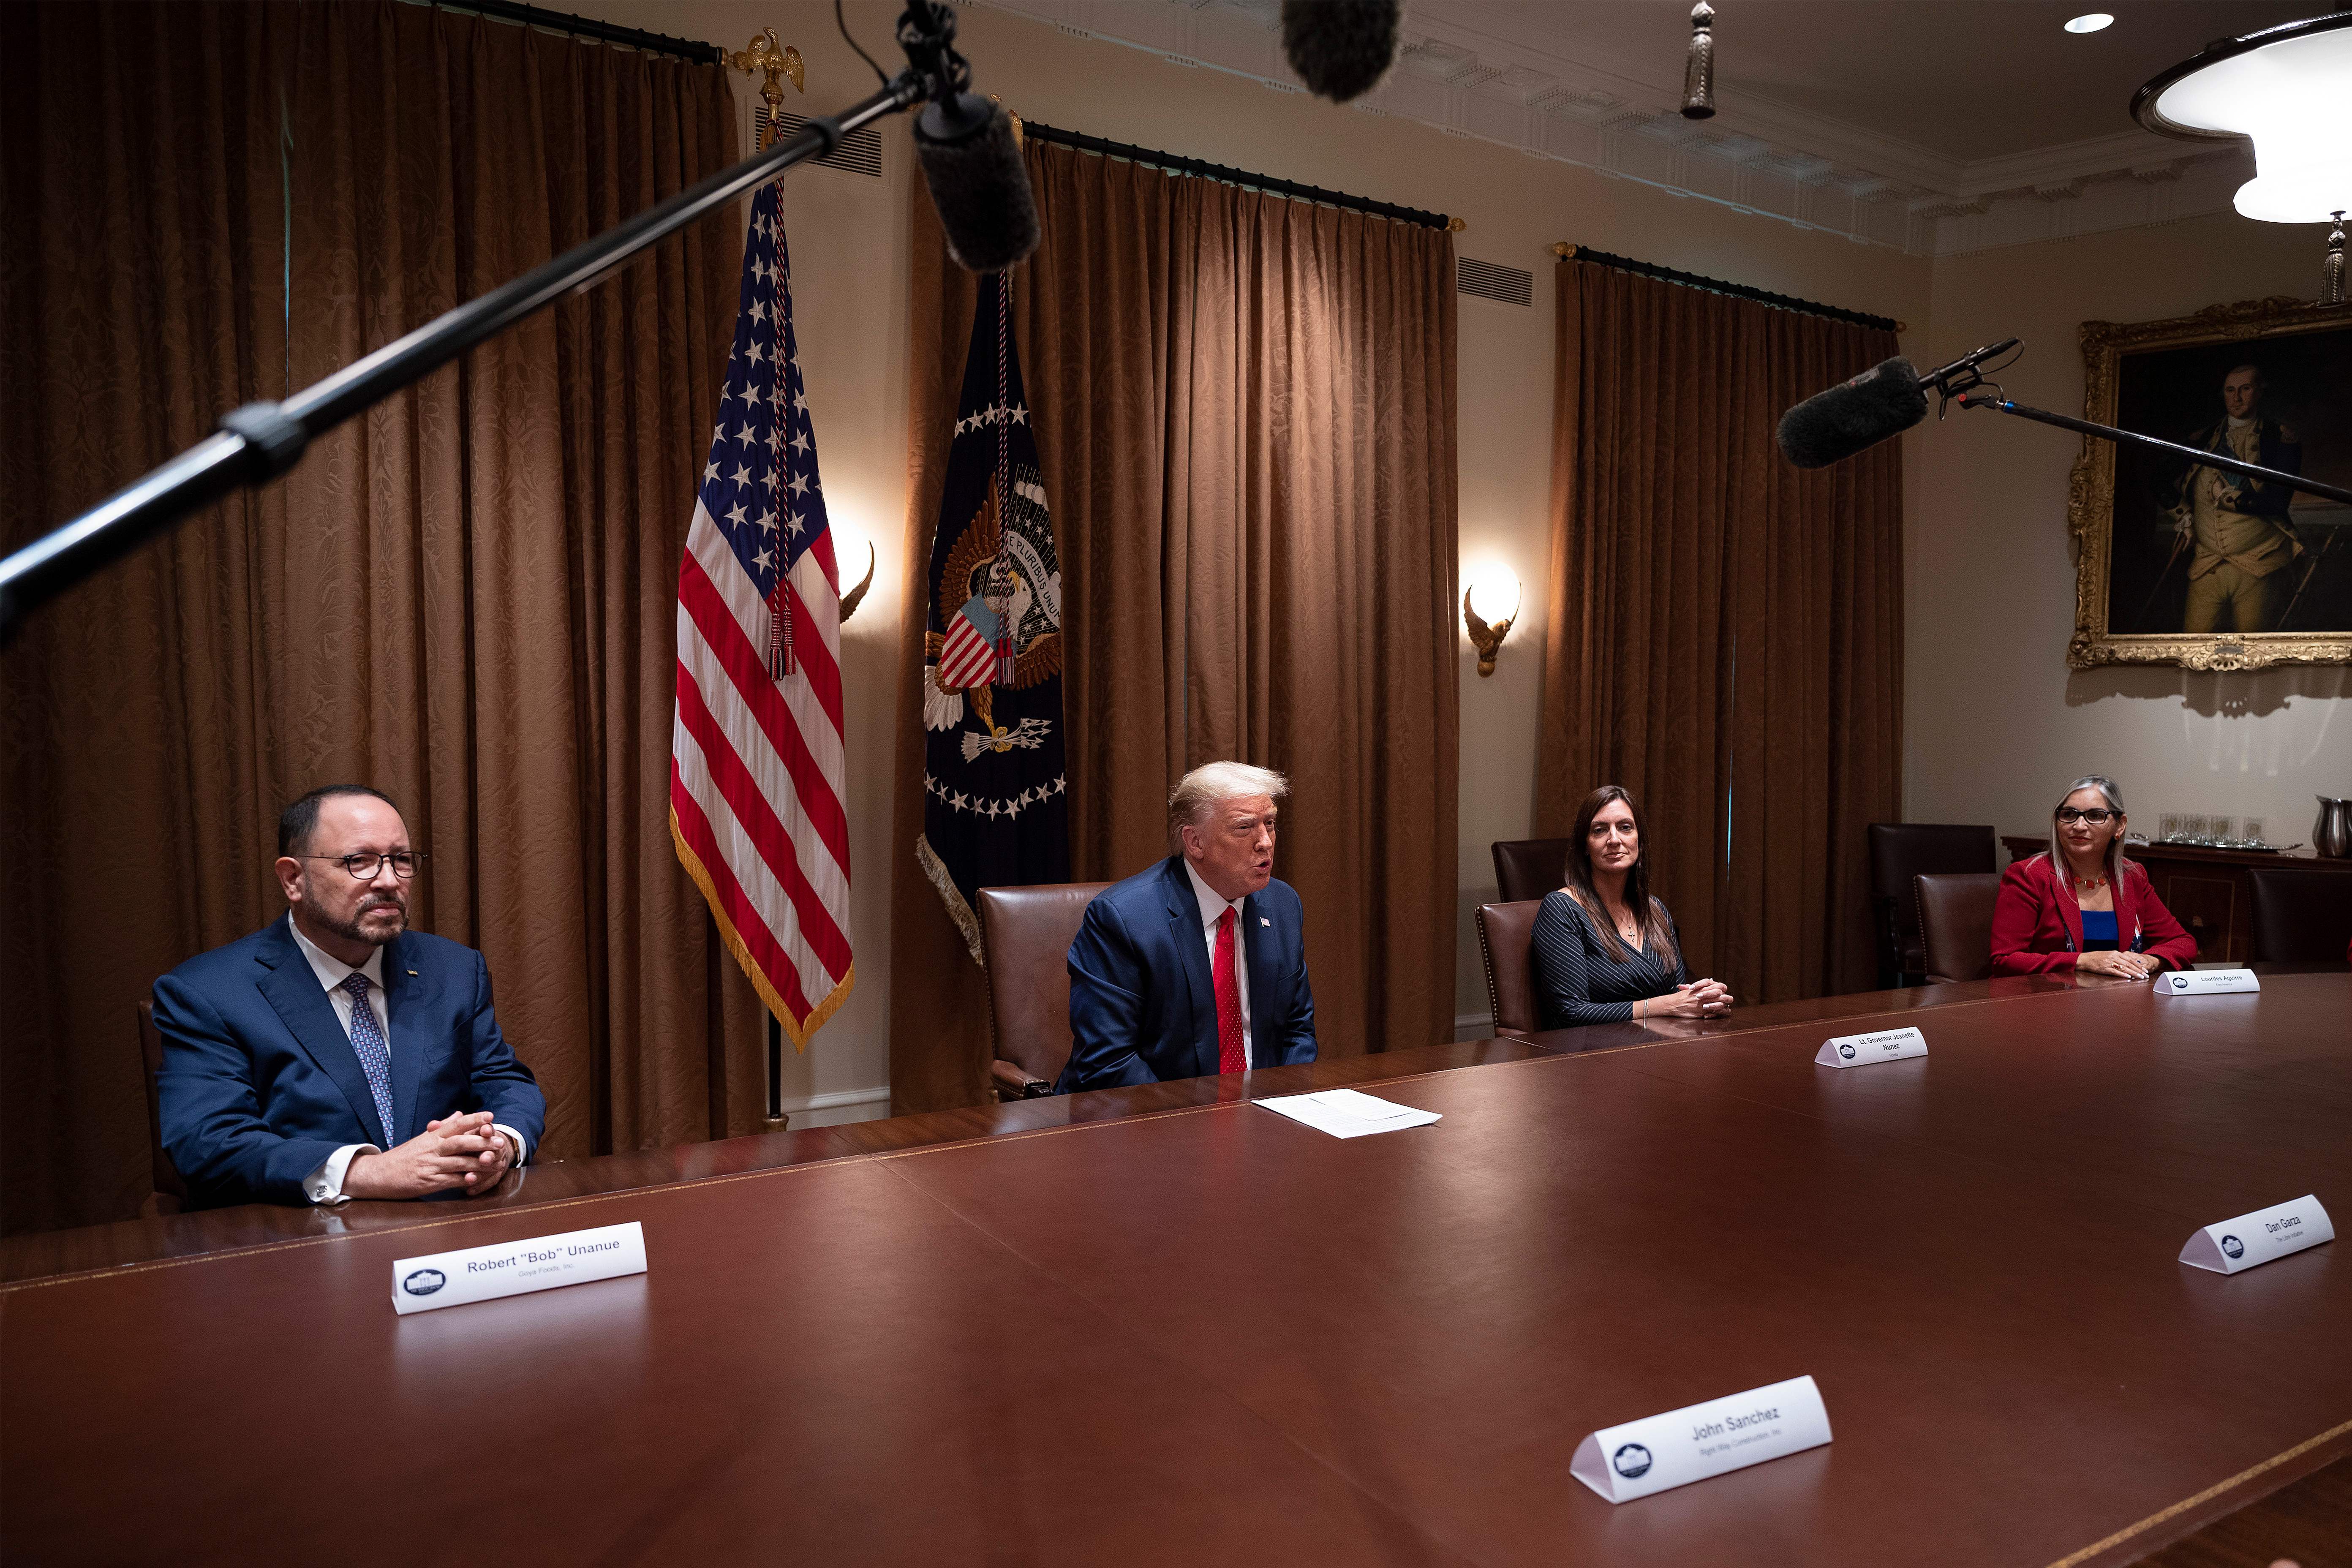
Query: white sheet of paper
column 2207, row 981
column 1861, row 1050
column 1699, row 1441
column 517, row 1268
column 2259, row 1237
column 1348, row 1113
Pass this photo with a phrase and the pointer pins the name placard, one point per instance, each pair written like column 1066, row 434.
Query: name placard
column 1861, row 1050
column 2207, row 981
column 1698, row 1441
column 517, row 1268
column 2259, row 1237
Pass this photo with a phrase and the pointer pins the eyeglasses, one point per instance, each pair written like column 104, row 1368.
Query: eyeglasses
column 368, row 868
column 2095, row 817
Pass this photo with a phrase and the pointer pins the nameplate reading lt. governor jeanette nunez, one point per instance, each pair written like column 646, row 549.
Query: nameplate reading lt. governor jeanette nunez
column 1861, row 1050
column 1698, row 1441
column 2259, row 1237
column 517, row 1268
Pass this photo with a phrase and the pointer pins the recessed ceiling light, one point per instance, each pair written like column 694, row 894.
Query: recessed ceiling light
column 2090, row 22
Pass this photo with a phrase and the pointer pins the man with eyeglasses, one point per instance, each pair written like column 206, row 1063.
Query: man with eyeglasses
column 336, row 1054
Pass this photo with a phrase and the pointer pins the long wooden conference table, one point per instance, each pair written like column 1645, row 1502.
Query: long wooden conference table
column 1167, row 1325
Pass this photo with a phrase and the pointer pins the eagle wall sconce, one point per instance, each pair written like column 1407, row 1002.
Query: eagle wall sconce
column 1489, row 604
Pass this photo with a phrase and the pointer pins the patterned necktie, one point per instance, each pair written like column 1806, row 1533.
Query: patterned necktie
column 374, row 1054
column 1230, row 1056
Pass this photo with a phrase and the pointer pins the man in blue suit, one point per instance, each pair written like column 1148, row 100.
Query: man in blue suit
column 336, row 1054
column 1198, row 966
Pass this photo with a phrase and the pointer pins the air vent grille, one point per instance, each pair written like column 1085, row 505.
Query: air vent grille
column 1503, row 285
column 859, row 153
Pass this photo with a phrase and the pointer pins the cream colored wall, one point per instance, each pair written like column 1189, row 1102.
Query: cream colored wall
column 1996, row 724
column 849, row 277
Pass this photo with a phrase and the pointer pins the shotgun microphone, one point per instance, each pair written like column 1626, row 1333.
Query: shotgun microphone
column 1883, row 401
column 1340, row 49
column 979, row 185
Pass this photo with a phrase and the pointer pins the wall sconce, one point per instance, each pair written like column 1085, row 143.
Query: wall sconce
column 846, row 542
column 1494, row 589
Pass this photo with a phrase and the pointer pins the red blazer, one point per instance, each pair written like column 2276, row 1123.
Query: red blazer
column 2037, row 925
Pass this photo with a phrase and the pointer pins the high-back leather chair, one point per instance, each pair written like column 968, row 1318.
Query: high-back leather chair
column 1027, row 932
column 171, row 1193
column 1507, row 946
column 2301, row 917
column 1529, row 868
column 1898, row 852
column 1955, row 923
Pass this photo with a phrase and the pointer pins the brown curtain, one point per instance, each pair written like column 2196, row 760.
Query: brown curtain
column 1245, row 410
column 1726, row 635
column 464, row 597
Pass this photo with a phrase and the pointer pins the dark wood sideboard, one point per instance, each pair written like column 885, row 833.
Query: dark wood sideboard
column 2206, row 889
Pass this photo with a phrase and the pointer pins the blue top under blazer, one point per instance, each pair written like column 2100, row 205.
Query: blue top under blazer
column 260, row 1084
column 1141, row 1009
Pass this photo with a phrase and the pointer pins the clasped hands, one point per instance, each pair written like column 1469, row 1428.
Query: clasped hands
column 2115, row 964
column 453, row 1152
column 1698, row 999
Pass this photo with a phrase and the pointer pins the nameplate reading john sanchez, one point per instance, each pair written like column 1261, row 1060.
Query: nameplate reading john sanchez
column 1623, row 1463
column 517, row 1268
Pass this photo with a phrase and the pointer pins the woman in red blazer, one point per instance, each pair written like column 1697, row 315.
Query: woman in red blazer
column 2080, row 905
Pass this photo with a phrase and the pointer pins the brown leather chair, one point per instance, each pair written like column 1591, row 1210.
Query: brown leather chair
column 2300, row 917
column 1955, row 923
column 1027, row 932
column 171, row 1193
column 1529, row 868
column 1898, row 852
column 1507, row 947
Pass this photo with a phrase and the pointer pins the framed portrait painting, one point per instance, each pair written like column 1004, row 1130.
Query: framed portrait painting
column 2181, row 564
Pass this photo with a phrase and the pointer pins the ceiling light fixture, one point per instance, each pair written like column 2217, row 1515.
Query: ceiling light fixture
column 2283, row 89
column 1698, row 65
column 2091, row 22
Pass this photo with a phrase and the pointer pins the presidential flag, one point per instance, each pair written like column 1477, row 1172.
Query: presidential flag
column 995, row 802
column 756, row 770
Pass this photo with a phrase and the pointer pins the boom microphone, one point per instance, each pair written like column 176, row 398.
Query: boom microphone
column 1340, row 49
column 980, row 186
column 1883, row 401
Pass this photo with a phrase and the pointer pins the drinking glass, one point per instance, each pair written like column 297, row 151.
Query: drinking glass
column 2169, row 823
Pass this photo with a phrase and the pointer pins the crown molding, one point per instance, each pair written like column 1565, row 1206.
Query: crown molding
column 1619, row 117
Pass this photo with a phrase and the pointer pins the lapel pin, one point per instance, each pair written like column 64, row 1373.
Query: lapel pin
column 412, row 972
column 1263, row 921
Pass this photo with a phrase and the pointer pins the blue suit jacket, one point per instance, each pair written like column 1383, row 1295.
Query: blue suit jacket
column 260, row 1082
column 1140, row 1004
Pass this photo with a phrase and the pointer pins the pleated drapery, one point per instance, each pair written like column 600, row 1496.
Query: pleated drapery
column 1726, row 631
column 464, row 597
column 1244, row 406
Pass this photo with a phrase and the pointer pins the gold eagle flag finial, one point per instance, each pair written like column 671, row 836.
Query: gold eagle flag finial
column 777, row 61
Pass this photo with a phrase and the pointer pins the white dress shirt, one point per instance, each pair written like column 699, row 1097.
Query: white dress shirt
column 1212, row 909
column 325, row 1184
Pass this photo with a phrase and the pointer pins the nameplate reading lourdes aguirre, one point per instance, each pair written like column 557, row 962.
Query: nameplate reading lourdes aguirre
column 1861, row 1050
column 1623, row 1463
column 2207, row 981
column 2260, row 1237
column 517, row 1268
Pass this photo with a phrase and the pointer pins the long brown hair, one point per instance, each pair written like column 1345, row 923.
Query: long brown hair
column 1656, row 933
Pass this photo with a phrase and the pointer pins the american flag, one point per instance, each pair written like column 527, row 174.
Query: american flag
column 756, row 772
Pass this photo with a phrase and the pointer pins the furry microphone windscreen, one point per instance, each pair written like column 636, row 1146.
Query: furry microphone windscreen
column 980, row 186
column 1830, row 426
column 1340, row 49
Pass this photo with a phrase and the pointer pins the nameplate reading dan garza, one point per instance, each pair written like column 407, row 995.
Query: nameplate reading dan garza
column 1698, row 1441
column 1861, row 1050
column 517, row 1268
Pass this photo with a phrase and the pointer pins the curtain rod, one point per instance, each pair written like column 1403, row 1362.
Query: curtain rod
column 589, row 27
column 1176, row 163
column 1717, row 286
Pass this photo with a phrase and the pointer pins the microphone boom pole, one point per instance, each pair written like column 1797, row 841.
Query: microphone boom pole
column 260, row 441
column 2110, row 433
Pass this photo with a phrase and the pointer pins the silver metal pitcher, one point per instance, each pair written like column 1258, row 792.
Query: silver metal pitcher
column 2332, row 835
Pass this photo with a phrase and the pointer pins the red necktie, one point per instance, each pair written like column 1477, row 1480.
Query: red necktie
column 1230, row 1057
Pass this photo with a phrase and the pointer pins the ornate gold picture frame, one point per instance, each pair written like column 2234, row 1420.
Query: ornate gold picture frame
column 2179, row 564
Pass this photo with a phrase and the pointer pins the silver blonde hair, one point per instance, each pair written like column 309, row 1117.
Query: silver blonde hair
column 1211, row 784
column 2116, row 865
